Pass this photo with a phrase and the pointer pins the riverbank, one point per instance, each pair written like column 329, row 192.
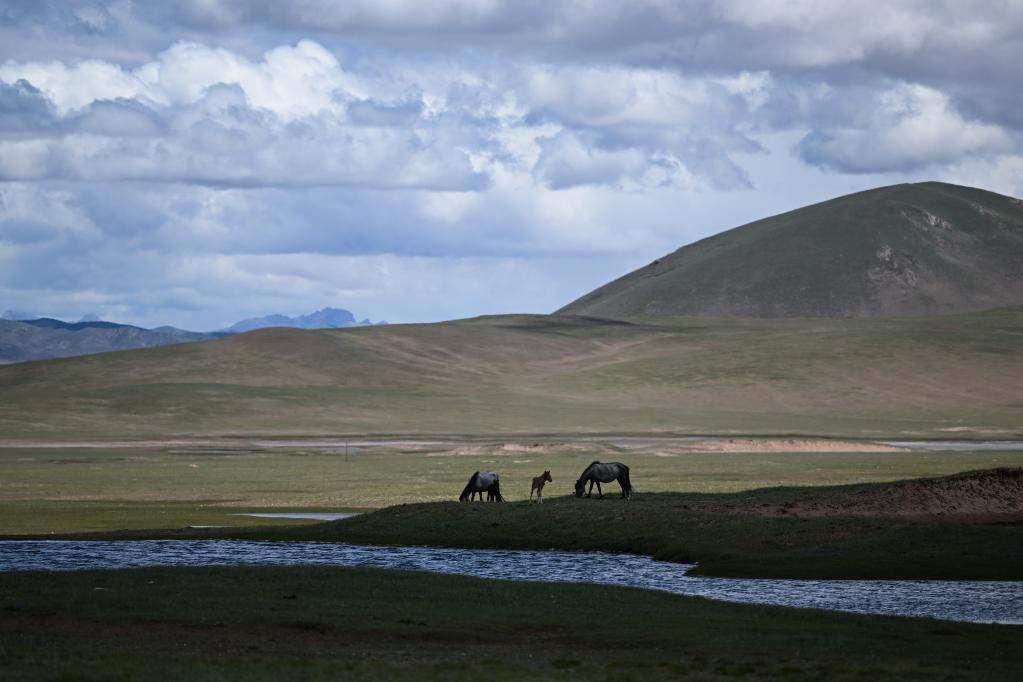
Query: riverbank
column 866, row 531
column 327, row 623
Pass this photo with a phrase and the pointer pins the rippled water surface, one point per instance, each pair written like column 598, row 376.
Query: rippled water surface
column 1000, row 602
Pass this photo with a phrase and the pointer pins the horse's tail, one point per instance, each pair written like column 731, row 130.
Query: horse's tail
column 626, row 482
column 496, row 490
column 468, row 488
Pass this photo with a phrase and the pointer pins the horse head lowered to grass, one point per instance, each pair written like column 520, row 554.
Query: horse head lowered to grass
column 482, row 482
column 598, row 473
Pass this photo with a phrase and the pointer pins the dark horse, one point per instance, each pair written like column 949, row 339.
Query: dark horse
column 482, row 482
column 604, row 473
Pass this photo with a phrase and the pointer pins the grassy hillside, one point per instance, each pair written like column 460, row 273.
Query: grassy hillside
column 951, row 376
column 921, row 249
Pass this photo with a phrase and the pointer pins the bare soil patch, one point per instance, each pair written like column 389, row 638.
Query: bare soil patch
column 992, row 496
column 513, row 448
column 786, row 445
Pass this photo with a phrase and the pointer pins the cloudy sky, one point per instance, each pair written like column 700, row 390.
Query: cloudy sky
column 195, row 163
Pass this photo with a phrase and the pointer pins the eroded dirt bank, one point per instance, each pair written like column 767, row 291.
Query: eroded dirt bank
column 992, row 496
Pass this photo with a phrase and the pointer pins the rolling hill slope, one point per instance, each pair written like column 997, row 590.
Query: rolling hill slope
column 948, row 376
column 905, row 250
column 44, row 338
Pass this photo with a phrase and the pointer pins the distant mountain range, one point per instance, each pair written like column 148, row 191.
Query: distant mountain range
column 327, row 318
column 906, row 250
column 43, row 338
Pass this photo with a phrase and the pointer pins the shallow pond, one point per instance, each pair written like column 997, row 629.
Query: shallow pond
column 314, row 516
column 1000, row 602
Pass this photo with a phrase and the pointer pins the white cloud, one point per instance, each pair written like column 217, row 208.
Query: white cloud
column 205, row 115
column 913, row 126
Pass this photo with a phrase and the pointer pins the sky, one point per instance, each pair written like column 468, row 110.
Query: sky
column 195, row 163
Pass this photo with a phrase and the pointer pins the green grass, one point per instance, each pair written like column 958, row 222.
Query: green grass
column 878, row 252
column 70, row 490
column 328, row 623
column 924, row 377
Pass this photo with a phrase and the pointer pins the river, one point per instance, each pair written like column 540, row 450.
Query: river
column 973, row 601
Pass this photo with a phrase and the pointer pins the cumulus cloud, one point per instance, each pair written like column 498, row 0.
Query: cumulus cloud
column 25, row 111
column 298, row 117
column 187, row 159
column 207, row 115
column 912, row 126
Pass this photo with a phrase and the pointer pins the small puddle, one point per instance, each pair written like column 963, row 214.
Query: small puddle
column 976, row 601
column 315, row 516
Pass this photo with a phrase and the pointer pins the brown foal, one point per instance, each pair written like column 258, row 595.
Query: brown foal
column 538, row 483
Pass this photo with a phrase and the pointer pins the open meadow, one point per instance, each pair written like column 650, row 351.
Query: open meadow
column 66, row 489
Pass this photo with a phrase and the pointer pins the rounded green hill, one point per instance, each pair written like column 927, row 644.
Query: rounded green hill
column 905, row 250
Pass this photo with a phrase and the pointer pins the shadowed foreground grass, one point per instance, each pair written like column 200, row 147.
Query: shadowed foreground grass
column 313, row 623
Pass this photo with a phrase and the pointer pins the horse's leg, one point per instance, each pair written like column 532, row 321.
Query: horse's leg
column 599, row 491
column 590, row 493
column 539, row 495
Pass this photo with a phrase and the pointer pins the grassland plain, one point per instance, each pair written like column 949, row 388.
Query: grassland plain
column 518, row 375
column 318, row 623
column 66, row 490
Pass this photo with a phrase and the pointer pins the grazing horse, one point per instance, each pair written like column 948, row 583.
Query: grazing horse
column 538, row 483
column 482, row 482
column 604, row 473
